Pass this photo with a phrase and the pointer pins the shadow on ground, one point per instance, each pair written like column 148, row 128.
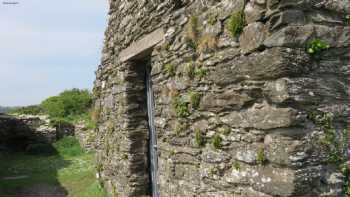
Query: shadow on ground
column 28, row 164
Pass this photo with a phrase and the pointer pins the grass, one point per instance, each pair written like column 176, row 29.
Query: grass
column 236, row 23
column 68, row 167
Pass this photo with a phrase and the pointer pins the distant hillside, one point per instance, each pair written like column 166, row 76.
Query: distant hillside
column 6, row 109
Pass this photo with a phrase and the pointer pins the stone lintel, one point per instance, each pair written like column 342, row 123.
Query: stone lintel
column 142, row 45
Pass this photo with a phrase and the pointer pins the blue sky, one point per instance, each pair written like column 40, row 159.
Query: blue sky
column 48, row 46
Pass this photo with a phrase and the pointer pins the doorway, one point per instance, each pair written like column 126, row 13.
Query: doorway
column 141, row 95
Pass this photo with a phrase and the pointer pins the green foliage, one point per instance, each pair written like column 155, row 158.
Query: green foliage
column 315, row 46
column 335, row 145
column 346, row 172
column 180, row 128
column 125, row 156
column 68, row 146
column 181, row 107
column 32, row 110
column 94, row 190
column 199, row 139
column 236, row 166
column 190, row 70
column 236, row 23
column 192, row 32
column 212, row 19
column 347, row 19
column 170, row 69
column 261, row 158
column 217, row 141
column 77, row 174
column 200, row 72
column 68, row 103
column 195, row 99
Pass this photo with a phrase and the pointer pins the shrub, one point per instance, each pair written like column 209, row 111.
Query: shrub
column 315, row 46
column 236, row 23
column 68, row 103
column 216, row 141
column 169, row 69
column 199, row 139
column 31, row 110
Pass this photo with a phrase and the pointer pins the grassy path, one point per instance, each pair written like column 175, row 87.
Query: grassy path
column 68, row 172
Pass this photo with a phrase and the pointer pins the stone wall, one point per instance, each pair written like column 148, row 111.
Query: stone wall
column 20, row 131
column 262, row 112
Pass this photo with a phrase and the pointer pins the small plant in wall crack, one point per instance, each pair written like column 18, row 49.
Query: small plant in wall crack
column 316, row 46
column 193, row 71
column 169, row 69
column 335, row 143
column 199, row 139
column 192, row 32
column 217, row 141
column 181, row 107
column 347, row 19
column 180, row 128
column 261, row 157
column 236, row 166
column 236, row 23
column 195, row 99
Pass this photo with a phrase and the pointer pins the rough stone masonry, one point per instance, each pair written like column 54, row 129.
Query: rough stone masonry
column 252, row 98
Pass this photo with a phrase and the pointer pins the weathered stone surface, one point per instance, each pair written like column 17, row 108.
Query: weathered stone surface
column 252, row 37
column 226, row 100
column 142, row 46
column 297, row 36
column 233, row 119
column 270, row 64
column 21, row 131
column 262, row 116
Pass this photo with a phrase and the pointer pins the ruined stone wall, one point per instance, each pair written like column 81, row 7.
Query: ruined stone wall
column 262, row 112
column 25, row 130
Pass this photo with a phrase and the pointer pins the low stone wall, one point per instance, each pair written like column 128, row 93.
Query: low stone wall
column 29, row 129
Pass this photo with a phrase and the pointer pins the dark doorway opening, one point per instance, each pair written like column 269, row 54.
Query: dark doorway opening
column 142, row 96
